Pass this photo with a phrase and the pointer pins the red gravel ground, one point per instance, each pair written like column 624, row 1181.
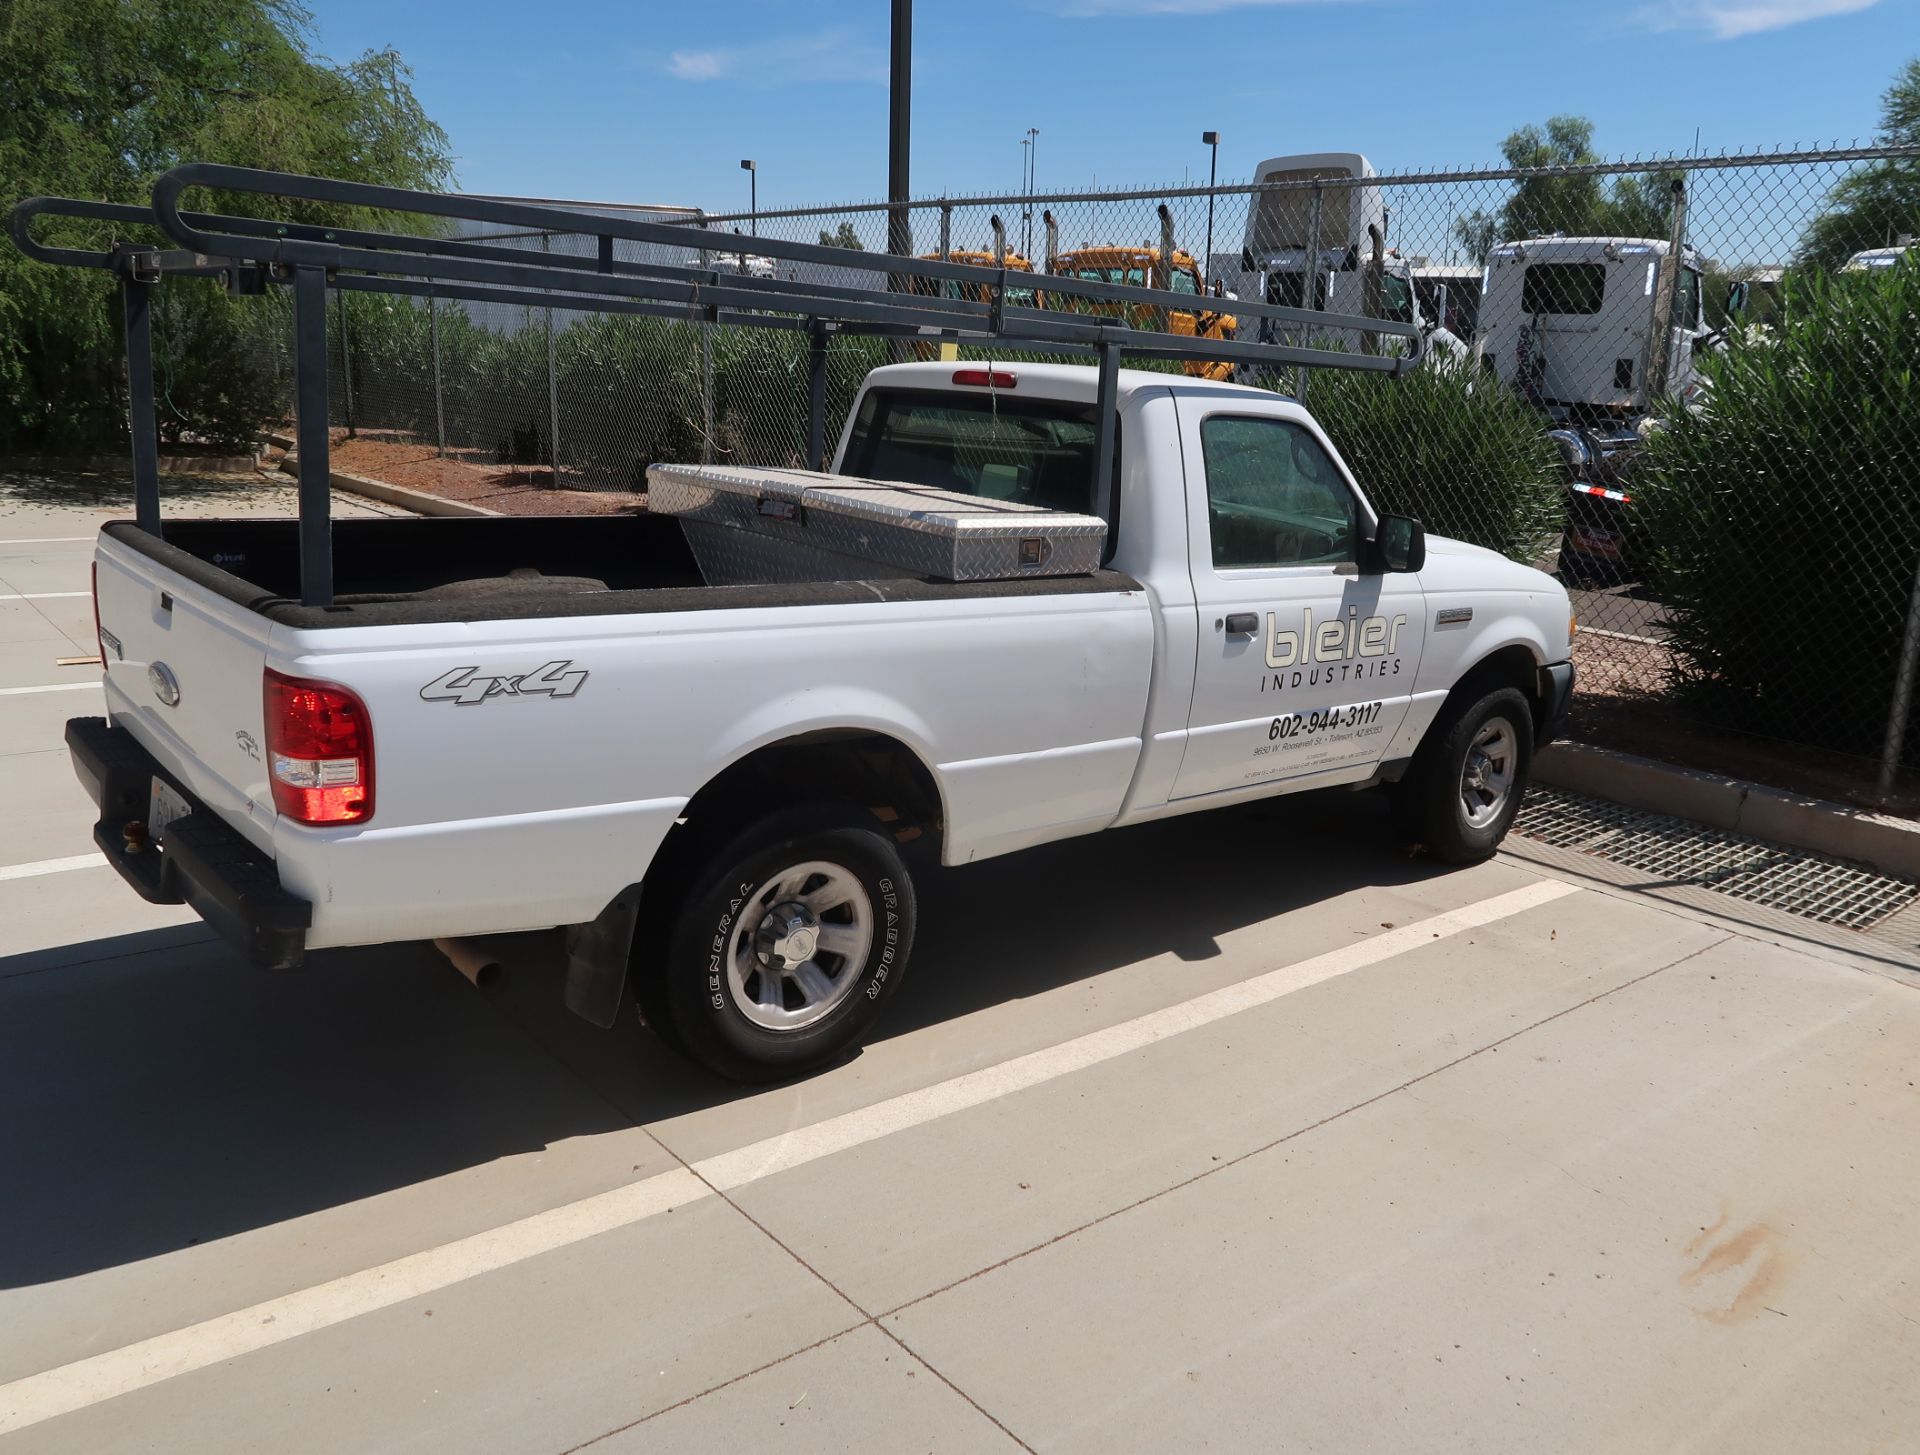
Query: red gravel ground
column 510, row 489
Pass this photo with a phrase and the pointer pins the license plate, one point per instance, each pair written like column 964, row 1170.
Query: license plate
column 1604, row 543
column 163, row 807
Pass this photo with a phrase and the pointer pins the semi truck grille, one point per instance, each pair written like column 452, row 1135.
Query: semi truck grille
column 1676, row 851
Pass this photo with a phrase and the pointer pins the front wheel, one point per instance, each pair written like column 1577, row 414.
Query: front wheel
column 780, row 959
column 1465, row 786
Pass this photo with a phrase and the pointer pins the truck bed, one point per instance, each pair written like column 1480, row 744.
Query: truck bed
column 399, row 571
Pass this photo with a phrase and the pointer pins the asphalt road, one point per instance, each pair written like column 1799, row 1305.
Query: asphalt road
column 1236, row 1132
column 1626, row 609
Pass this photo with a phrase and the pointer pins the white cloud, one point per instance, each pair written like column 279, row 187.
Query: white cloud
column 698, row 65
column 1101, row 9
column 832, row 55
column 1730, row 19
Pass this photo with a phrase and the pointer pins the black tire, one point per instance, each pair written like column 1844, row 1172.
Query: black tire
column 688, row 996
column 1429, row 808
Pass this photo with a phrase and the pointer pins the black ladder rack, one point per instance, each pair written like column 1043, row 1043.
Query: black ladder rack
column 250, row 254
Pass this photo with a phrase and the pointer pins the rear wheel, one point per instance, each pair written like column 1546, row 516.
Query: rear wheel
column 1465, row 786
column 793, row 935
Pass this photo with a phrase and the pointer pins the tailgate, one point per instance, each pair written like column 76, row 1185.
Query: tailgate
column 184, row 670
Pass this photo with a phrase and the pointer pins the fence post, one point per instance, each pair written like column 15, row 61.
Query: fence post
column 1160, row 275
column 1660, row 337
column 1903, row 679
column 553, row 385
column 817, row 396
column 346, row 361
column 706, row 372
column 1310, row 283
column 136, row 306
column 946, row 229
column 439, row 387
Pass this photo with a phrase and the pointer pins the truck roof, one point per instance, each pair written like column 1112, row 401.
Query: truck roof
column 1584, row 247
column 1071, row 383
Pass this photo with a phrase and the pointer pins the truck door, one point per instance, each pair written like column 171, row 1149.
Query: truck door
column 1305, row 666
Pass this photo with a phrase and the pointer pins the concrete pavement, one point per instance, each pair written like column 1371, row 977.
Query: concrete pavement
column 1234, row 1132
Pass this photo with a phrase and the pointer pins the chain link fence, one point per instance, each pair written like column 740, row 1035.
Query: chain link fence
column 1688, row 385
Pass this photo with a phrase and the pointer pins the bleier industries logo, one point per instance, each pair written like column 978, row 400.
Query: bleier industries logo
column 1345, row 648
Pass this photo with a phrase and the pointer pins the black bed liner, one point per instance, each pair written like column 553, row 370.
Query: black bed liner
column 405, row 572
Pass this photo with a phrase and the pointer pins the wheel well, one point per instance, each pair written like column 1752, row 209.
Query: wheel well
column 867, row 769
column 1513, row 666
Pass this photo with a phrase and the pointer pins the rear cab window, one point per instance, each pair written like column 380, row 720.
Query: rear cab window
column 1566, row 288
column 993, row 444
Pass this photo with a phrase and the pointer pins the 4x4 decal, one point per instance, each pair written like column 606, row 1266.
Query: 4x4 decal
column 469, row 686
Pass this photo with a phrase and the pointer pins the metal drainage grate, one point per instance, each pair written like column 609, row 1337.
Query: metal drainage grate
column 1812, row 886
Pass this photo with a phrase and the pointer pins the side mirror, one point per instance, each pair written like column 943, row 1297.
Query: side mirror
column 1737, row 300
column 1400, row 544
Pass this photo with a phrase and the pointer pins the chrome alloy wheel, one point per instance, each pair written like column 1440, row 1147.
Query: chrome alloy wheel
column 1486, row 780
column 798, row 945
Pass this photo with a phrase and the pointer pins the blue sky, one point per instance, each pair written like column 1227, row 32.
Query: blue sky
column 595, row 99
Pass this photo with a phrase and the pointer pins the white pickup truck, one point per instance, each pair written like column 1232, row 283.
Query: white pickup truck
column 516, row 724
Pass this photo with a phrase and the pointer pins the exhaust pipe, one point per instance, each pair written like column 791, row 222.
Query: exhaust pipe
column 471, row 961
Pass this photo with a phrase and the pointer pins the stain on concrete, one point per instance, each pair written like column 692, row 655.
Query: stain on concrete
column 1750, row 1261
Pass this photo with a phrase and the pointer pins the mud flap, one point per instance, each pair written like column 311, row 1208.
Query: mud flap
column 598, row 954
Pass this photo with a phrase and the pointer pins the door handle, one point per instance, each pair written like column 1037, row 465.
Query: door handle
column 1243, row 624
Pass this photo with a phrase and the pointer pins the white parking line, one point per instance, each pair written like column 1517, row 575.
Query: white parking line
column 47, row 540
column 85, row 1382
column 810, row 1143
column 50, row 687
column 51, row 866
column 41, row 595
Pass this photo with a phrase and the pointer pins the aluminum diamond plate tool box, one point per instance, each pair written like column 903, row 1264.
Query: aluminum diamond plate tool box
column 835, row 525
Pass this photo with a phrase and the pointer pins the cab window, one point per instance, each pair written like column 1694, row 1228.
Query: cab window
column 1184, row 281
column 1686, row 303
column 1396, row 299
column 1274, row 496
column 1566, row 288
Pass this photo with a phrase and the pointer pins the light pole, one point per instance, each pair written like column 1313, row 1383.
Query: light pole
column 1210, row 139
column 1029, row 169
column 753, row 193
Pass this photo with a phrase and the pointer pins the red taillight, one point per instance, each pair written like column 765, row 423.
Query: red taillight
column 985, row 378
column 319, row 751
column 99, row 637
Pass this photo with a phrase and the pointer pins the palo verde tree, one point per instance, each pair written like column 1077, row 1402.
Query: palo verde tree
column 1879, row 202
column 842, row 236
column 1580, row 204
column 97, row 97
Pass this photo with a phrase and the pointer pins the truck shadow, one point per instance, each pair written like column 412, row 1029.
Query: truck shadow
column 155, row 1094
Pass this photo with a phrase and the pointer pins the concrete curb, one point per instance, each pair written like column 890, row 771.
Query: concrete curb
column 418, row 501
column 1889, row 844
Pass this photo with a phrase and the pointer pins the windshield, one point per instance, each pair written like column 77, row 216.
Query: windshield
column 991, row 444
column 1130, row 277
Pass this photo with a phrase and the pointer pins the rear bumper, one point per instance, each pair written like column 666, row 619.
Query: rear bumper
column 202, row 863
column 1556, row 691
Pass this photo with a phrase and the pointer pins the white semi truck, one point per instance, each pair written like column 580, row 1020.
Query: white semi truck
column 1595, row 333
column 1021, row 603
column 1286, row 232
